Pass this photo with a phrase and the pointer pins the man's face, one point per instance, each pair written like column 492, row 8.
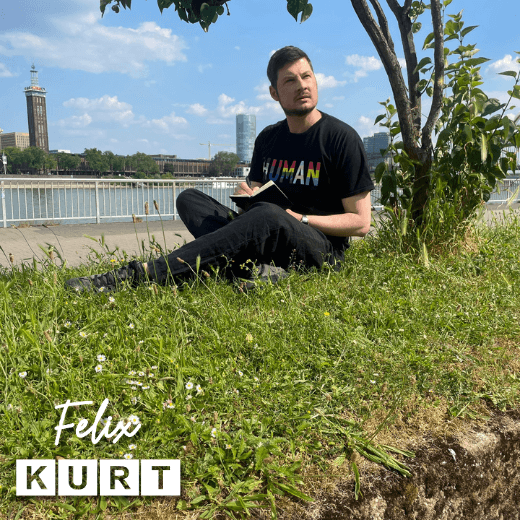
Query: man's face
column 296, row 89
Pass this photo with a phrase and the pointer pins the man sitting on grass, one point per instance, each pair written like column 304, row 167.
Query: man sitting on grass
column 318, row 162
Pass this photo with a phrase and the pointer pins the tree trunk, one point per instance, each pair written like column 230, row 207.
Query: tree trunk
column 417, row 143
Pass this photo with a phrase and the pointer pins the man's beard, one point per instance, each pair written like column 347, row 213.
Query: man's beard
column 298, row 112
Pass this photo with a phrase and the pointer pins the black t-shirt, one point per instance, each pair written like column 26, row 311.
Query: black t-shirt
column 315, row 169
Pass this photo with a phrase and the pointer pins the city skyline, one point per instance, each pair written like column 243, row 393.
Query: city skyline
column 169, row 86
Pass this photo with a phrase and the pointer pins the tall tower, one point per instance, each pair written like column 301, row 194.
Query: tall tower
column 246, row 135
column 37, row 113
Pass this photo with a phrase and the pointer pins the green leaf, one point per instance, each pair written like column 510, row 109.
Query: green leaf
column 164, row 4
column 483, row 147
column 306, row 13
column 381, row 168
column 468, row 133
column 422, row 63
column 103, row 4
column 64, row 505
column 468, row 30
column 260, row 455
column 295, row 7
column 428, row 40
column 472, row 62
column 198, row 500
column 446, row 3
column 357, row 486
column 508, row 73
column 293, row 491
column 491, row 106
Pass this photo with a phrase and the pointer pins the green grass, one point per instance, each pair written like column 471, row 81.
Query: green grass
column 291, row 376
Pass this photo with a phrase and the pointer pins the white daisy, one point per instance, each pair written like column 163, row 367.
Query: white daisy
column 189, row 385
column 23, row 375
column 99, row 368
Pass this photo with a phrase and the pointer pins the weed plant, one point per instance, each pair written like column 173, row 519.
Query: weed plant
column 259, row 394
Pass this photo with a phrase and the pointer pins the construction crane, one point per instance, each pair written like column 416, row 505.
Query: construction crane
column 209, row 145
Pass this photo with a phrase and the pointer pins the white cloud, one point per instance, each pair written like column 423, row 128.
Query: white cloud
column 75, row 121
column 263, row 90
column 105, row 108
column 108, row 109
column 237, row 48
column 202, row 68
column 506, row 63
column 4, row 72
column 102, row 49
column 364, row 65
column 197, row 109
column 329, row 105
column 338, row 98
column 226, row 109
column 365, row 126
column 328, row 81
column 103, row 103
column 166, row 124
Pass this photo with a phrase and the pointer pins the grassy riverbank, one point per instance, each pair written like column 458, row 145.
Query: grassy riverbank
column 260, row 394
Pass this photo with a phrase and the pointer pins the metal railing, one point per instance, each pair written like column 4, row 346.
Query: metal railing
column 79, row 201
column 75, row 201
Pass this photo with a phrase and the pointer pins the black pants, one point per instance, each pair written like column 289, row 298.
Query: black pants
column 264, row 234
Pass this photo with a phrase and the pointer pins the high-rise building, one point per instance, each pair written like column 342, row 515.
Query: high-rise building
column 374, row 144
column 246, row 135
column 15, row 139
column 37, row 113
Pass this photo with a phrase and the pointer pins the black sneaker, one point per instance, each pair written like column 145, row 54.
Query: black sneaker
column 263, row 274
column 133, row 273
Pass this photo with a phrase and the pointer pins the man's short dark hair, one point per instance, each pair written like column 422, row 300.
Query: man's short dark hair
column 281, row 58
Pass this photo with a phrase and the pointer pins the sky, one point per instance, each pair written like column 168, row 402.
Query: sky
column 139, row 81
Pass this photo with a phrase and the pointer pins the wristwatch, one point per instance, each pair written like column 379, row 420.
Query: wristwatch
column 305, row 220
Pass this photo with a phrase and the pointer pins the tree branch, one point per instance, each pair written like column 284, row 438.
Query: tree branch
column 439, row 75
column 383, row 23
column 406, row 6
column 405, row 28
column 393, row 71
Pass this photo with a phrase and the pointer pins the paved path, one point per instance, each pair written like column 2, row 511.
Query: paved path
column 75, row 247
column 70, row 240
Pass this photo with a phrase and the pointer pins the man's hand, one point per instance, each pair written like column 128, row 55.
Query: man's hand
column 244, row 189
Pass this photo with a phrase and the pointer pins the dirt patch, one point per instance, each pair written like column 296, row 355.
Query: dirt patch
column 472, row 474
